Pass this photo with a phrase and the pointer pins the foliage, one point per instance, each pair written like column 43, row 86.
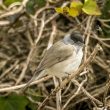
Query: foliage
column 106, row 15
column 9, row 2
column 89, row 7
column 106, row 10
column 13, row 102
column 33, row 4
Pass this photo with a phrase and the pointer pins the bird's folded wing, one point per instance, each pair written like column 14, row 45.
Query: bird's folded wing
column 57, row 53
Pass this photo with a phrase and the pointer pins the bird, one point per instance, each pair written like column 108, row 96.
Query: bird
column 62, row 58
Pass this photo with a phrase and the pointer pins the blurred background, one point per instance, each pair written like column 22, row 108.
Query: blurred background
column 28, row 28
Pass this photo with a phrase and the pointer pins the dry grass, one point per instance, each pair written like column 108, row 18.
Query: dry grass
column 23, row 40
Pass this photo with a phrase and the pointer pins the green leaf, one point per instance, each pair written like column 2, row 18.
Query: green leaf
column 90, row 7
column 106, row 16
column 13, row 102
column 41, row 3
column 32, row 5
column 106, row 10
column 76, row 4
column 59, row 10
column 73, row 12
column 75, row 8
column 9, row 2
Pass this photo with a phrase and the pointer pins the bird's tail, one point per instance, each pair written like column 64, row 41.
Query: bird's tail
column 34, row 77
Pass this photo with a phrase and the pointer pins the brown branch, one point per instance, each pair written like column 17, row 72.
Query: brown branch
column 6, row 89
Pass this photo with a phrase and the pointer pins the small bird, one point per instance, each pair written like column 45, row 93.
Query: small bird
column 63, row 58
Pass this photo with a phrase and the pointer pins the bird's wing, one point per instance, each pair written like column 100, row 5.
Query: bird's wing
column 57, row 53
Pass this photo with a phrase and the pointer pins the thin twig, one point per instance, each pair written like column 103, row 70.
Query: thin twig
column 58, row 94
column 31, row 51
column 6, row 89
column 15, row 11
column 75, row 94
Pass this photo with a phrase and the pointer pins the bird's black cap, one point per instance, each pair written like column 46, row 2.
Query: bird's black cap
column 77, row 37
